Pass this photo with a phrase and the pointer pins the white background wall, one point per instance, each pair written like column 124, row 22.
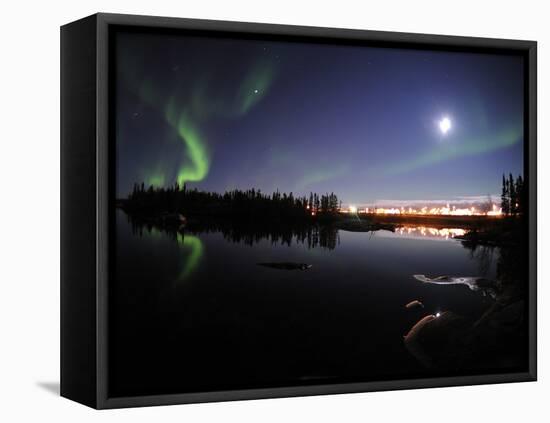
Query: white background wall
column 29, row 209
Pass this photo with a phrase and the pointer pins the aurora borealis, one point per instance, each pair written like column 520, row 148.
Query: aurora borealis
column 221, row 113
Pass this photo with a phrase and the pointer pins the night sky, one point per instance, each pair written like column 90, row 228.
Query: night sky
column 220, row 114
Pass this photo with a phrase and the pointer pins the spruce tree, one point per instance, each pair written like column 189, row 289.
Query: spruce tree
column 504, row 196
column 512, row 195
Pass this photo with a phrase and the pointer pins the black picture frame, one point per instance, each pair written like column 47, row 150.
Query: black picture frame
column 86, row 194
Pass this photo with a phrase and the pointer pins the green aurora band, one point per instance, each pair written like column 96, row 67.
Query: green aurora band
column 450, row 150
column 156, row 180
column 187, row 118
column 322, row 175
column 253, row 88
column 195, row 145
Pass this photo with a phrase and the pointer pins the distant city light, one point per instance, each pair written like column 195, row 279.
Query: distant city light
column 490, row 209
column 437, row 314
column 444, row 211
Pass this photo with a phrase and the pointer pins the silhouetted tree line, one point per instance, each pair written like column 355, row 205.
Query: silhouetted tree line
column 176, row 199
column 513, row 199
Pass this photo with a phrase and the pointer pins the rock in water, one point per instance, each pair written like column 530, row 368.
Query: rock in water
column 438, row 340
column 475, row 283
column 287, row 265
column 412, row 344
column 414, row 305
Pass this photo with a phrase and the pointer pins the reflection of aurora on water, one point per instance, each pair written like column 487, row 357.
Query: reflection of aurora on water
column 190, row 245
column 193, row 245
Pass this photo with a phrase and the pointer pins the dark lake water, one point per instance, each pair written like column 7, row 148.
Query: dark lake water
column 195, row 311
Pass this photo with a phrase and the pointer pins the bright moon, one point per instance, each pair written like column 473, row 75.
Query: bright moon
column 445, row 125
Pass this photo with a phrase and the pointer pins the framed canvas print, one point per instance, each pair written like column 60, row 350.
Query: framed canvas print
column 254, row 211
